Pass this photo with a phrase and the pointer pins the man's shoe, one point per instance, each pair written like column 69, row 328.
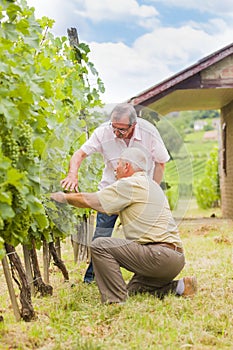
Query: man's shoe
column 190, row 286
column 88, row 280
column 89, row 275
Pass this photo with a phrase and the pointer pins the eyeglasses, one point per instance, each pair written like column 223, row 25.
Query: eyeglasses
column 120, row 130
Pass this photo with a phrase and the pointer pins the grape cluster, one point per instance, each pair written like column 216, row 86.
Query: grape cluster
column 25, row 134
column 17, row 144
column 17, row 229
column 10, row 147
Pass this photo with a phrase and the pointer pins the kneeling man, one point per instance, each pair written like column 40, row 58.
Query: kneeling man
column 152, row 248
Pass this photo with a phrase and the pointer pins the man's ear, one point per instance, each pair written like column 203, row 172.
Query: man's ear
column 127, row 166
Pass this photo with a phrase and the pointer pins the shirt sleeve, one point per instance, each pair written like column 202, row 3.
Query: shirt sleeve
column 158, row 150
column 152, row 141
column 94, row 143
column 116, row 197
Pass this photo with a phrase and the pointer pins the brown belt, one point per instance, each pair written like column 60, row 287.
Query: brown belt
column 172, row 246
column 168, row 245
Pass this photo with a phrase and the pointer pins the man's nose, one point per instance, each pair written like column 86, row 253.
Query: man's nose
column 118, row 133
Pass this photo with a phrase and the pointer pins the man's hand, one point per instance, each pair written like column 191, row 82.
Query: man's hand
column 79, row 200
column 58, row 197
column 70, row 183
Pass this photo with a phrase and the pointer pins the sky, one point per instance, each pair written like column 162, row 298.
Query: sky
column 136, row 44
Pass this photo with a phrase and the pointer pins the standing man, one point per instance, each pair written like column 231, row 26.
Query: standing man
column 123, row 131
column 152, row 248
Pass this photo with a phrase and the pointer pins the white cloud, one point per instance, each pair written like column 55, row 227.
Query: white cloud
column 172, row 45
column 120, row 10
column 53, row 9
column 127, row 71
column 59, row 10
column 72, row 13
column 124, row 71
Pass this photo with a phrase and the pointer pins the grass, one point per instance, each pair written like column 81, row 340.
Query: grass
column 73, row 318
column 194, row 212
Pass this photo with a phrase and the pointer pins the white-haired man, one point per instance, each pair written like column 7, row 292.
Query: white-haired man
column 152, row 248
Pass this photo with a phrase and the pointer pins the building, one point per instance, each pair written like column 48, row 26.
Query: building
column 206, row 85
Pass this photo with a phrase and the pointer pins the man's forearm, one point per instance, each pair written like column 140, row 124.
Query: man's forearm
column 158, row 172
column 79, row 200
column 76, row 161
column 84, row 200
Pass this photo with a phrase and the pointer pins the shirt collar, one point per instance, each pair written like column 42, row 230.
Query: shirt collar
column 137, row 133
column 140, row 173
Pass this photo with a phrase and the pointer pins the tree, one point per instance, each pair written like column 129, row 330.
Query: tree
column 44, row 90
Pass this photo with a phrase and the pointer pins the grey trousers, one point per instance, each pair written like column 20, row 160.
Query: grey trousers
column 154, row 266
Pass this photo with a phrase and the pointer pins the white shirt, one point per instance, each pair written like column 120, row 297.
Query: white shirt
column 104, row 141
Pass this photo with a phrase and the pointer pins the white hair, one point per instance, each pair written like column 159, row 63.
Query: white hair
column 136, row 157
column 124, row 109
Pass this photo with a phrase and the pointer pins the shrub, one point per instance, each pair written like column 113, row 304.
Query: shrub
column 207, row 189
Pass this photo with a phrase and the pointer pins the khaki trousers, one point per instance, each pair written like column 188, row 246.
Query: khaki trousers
column 154, row 266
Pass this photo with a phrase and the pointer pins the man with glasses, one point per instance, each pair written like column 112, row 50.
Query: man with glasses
column 110, row 139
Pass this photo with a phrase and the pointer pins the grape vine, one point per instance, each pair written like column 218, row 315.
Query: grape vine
column 44, row 89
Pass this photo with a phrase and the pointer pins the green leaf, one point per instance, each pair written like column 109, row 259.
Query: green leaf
column 92, row 68
column 5, row 163
column 84, row 47
column 46, row 22
column 32, row 41
column 5, row 197
column 101, row 85
column 23, row 26
column 39, row 145
column 4, row 68
column 13, row 177
column 35, row 205
column 23, row 91
column 2, row 249
column 12, row 11
column 10, row 31
column 41, row 220
column 6, row 108
column 6, row 211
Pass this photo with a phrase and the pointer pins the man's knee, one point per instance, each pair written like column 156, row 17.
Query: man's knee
column 99, row 242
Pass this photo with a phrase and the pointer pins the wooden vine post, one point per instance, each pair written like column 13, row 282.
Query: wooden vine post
column 19, row 276
column 58, row 247
column 81, row 240
column 74, row 42
column 39, row 285
column 46, row 261
column 10, row 287
column 28, row 268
